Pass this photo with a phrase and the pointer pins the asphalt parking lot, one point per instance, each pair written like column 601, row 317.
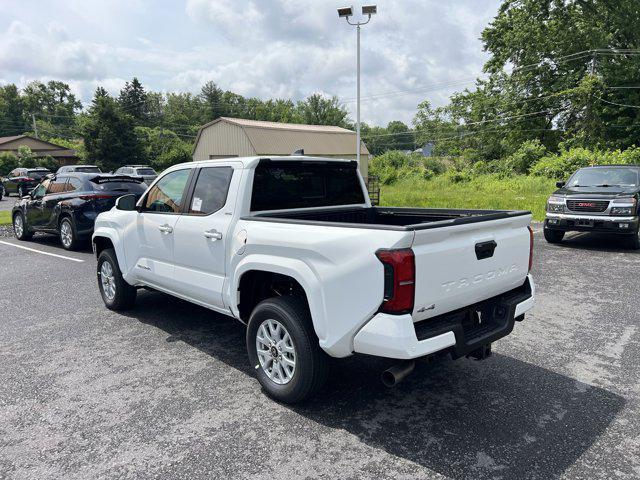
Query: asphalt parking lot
column 166, row 390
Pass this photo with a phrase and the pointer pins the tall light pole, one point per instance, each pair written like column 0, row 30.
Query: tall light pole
column 346, row 13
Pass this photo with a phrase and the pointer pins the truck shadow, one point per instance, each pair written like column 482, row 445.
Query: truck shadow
column 602, row 242
column 499, row 418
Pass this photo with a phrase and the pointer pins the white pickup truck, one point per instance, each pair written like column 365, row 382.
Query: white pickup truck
column 292, row 247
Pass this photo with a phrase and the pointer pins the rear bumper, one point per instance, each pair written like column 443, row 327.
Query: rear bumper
column 460, row 332
column 591, row 223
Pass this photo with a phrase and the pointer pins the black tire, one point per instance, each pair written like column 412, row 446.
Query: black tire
column 312, row 363
column 21, row 233
column 124, row 295
column 634, row 241
column 67, row 234
column 553, row 236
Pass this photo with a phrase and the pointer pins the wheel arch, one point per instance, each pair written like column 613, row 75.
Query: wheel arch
column 104, row 239
column 253, row 276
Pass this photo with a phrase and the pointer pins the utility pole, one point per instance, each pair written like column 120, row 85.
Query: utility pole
column 346, row 12
column 35, row 126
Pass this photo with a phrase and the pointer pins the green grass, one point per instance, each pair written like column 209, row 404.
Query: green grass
column 5, row 218
column 482, row 192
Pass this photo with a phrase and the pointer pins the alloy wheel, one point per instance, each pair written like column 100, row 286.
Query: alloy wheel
column 66, row 233
column 276, row 352
column 18, row 226
column 107, row 280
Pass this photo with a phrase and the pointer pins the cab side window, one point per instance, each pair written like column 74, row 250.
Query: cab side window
column 210, row 193
column 56, row 186
column 166, row 195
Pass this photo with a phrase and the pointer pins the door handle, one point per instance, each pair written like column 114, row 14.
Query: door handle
column 213, row 234
column 166, row 228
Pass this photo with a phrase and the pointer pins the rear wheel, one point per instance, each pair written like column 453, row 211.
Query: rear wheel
column 284, row 349
column 68, row 236
column 20, row 229
column 553, row 236
column 635, row 241
column 116, row 293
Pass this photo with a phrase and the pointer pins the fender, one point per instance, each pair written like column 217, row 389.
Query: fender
column 113, row 235
column 296, row 269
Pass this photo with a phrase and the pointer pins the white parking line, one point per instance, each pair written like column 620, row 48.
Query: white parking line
column 43, row 253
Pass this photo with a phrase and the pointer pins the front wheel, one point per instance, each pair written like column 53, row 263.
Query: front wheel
column 553, row 236
column 284, row 349
column 116, row 293
column 635, row 241
column 20, row 229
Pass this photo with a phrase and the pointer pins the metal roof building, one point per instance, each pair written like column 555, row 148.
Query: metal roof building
column 235, row 137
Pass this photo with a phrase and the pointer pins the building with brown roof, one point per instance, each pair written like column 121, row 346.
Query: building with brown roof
column 235, row 137
column 40, row 148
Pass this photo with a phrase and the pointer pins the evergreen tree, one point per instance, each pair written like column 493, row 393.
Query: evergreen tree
column 109, row 135
column 133, row 101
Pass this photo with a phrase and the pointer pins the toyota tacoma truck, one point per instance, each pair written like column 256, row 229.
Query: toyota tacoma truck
column 291, row 247
column 596, row 199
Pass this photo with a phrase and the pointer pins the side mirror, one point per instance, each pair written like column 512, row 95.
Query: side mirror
column 126, row 203
column 560, row 184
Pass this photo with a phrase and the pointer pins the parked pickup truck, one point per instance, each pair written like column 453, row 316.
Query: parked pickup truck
column 596, row 199
column 292, row 247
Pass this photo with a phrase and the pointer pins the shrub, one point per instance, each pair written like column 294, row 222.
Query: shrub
column 390, row 166
column 525, row 157
column 435, row 165
column 565, row 163
column 8, row 161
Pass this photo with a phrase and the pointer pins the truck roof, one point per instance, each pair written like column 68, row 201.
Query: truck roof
column 248, row 162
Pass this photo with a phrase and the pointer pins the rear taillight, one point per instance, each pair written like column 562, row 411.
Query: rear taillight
column 399, row 280
column 530, row 248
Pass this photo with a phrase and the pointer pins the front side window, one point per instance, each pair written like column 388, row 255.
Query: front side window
column 166, row 195
column 211, row 190
column 41, row 189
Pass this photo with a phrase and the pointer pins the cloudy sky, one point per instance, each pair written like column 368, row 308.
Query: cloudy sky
column 411, row 51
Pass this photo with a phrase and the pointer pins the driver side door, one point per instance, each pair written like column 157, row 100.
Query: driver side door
column 149, row 242
column 34, row 207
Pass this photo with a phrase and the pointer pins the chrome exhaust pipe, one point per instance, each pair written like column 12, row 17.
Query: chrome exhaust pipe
column 394, row 375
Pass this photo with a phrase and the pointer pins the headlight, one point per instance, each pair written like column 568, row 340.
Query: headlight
column 555, row 204
column 623, row 206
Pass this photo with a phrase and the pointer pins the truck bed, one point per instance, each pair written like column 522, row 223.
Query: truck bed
column 387, row 218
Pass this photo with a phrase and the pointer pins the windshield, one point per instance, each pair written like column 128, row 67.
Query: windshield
column 605, row 177
column 146, row 171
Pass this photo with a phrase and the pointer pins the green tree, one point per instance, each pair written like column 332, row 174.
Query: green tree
column 26, row 157
column 320, row 110
column 133, row 101
column 109, row 136
column 53, row 101
column 12, row 116
column 8, row 161
column 213, row 104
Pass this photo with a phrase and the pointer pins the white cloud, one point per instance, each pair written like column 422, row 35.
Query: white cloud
column 266, row 48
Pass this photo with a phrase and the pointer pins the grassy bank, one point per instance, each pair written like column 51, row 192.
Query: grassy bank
column 5, row 218
column 482, row 192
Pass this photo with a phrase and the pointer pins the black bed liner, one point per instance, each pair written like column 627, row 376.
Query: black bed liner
column 385, row 218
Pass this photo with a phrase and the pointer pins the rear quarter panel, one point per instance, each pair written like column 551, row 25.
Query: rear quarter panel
column 337, row 267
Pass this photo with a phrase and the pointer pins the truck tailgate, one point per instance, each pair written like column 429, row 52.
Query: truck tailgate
column 460, row 265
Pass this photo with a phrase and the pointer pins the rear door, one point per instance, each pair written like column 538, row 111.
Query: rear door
column 460, row 265
column 201, row 234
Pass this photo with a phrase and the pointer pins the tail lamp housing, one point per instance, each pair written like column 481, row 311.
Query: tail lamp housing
column 399, row 280
column 530, row 247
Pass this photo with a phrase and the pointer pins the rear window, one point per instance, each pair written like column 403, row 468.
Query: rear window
column 88, row 170
column 146, row 171
column 118, row 185
column 282, row 185
column 37, row 174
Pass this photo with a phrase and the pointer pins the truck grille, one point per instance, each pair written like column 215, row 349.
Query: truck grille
column 597, row 206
